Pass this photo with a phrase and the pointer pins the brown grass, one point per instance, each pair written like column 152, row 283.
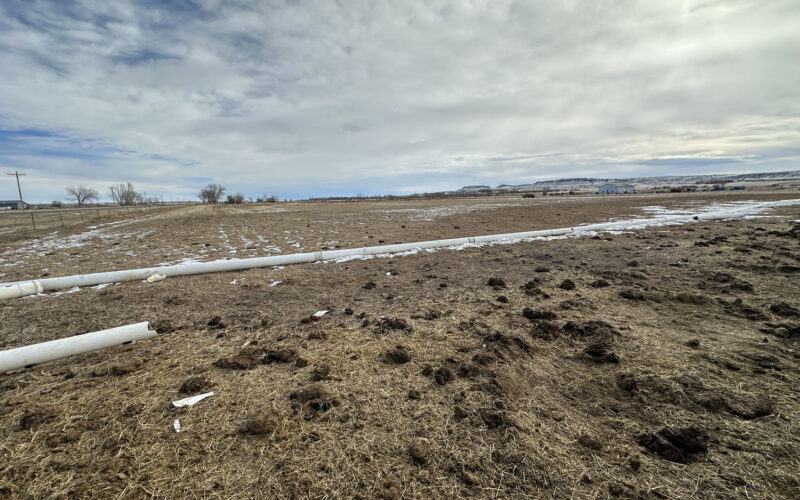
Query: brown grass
column 100, row 424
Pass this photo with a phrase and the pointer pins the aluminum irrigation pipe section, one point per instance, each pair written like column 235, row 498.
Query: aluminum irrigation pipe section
column 78, row 344
column 23, row 288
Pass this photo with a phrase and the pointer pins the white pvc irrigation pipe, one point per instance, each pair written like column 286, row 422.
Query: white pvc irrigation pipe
column 79, row 344
column 23, row 288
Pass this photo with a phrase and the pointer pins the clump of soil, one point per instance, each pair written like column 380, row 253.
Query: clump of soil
column 532, row 288
column 546, row 330
column 443, row 375
column 627, row 382
column 493, row 418
column 264, row 421
column 420, row 451
column 567, row 284
column 538, row 314
column 247, row 359
column 600, row 283
column 215, row 323
column 631, row 294
column 496, row 282
column 485, row 358
column 398, row 355
column 194, row 384
column 541, row 269
column 784, row 309
column 162, row 326
column 593, row 328
column 283, row 355
column 469, row 370
column 369, row 286
column 388, row 324
column 676, row 445
column 601, row 351
column 321, row 372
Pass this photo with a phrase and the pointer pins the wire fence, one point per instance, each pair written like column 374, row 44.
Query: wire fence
column 41, row 219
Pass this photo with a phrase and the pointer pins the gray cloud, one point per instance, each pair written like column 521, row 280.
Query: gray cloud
column 306, row 98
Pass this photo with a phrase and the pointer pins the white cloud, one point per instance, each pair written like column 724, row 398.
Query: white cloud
column 308, row 98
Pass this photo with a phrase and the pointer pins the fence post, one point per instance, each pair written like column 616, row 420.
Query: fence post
column 33, row 221
column 60, row 217
column 81, row 214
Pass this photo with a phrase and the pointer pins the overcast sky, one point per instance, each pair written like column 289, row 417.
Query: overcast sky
column 302, row 98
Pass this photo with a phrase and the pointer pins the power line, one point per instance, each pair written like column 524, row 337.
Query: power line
column 19, row 188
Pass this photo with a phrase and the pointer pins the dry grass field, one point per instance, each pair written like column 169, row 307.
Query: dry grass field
column 542, row 369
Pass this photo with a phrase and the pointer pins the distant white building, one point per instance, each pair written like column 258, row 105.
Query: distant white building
column 616, row 189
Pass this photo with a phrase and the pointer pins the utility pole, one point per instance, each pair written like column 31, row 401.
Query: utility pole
column 21, row 203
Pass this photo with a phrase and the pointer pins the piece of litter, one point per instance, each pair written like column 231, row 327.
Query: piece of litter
column 275, row 283
column 177, row 425
column 320, row 314
column 192, row 400
column 389, row 273
column 155, row 277
column 234, row 282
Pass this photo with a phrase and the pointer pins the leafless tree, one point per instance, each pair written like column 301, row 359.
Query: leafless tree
column 124, row 194
column 235, row 199
column 81, row 194
column 212, row 193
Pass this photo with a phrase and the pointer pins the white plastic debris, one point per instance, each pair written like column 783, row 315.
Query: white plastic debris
column 191, row 401
column 320, row 314
column 177, row 425
column 275, row 283
column 155, row 277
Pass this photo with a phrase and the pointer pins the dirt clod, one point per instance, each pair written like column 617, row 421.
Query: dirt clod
column 247, row 359
column 784, row 309
column 443, row 375
column 631, row 294
column 194, row 385
column 676, row 445
column 601, row 352
column 420, row 450
column 215, row 323
column 388, row 324
column 627, row 382
column 321, row 372
column 496, row 282
column 162, row 326
column 399, row 355
column 493, row 418
column 485, row 358
column 283, row 355
column 538, row 314
column 567, row 284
